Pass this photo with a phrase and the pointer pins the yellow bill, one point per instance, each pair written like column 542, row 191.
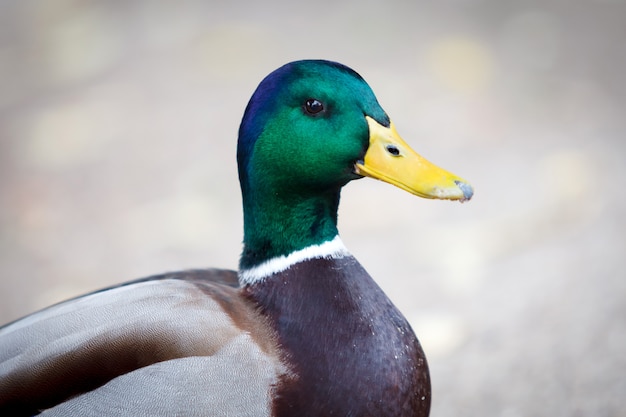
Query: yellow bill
column 390, row 159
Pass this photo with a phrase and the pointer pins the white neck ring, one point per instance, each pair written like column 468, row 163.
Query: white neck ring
column 332, row 249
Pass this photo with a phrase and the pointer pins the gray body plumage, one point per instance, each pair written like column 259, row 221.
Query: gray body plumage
column 154, row 347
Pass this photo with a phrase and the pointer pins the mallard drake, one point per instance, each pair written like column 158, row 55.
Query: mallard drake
column 300, row 330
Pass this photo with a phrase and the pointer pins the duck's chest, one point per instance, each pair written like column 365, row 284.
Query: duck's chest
column 352, row 353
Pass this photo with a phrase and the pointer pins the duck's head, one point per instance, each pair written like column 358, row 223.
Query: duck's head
column 311, row 127
column 315, row 125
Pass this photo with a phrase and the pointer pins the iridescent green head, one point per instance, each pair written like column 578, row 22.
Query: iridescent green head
column 309, row 128
column 304, row 128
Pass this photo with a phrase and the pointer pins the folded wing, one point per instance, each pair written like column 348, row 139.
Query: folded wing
column 168, row 344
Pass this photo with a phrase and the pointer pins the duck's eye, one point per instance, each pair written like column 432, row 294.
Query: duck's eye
column 313, row 106
column 393, row 150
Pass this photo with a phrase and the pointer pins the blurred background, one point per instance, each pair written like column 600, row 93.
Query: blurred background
column 118, row 123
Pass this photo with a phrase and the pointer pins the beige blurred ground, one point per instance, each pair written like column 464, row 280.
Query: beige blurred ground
column 118, row 126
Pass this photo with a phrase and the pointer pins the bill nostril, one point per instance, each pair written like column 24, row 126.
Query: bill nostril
column 393, row 150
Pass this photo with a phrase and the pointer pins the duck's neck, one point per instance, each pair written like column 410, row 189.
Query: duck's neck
column 276, row 226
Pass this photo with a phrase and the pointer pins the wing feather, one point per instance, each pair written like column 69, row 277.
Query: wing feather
column 77, row 348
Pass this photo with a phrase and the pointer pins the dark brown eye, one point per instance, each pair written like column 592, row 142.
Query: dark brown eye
column 313, row 106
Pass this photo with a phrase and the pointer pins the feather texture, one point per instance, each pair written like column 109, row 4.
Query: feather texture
column 183, row 332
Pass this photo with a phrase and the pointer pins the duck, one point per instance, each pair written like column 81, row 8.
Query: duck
column 300, row 329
